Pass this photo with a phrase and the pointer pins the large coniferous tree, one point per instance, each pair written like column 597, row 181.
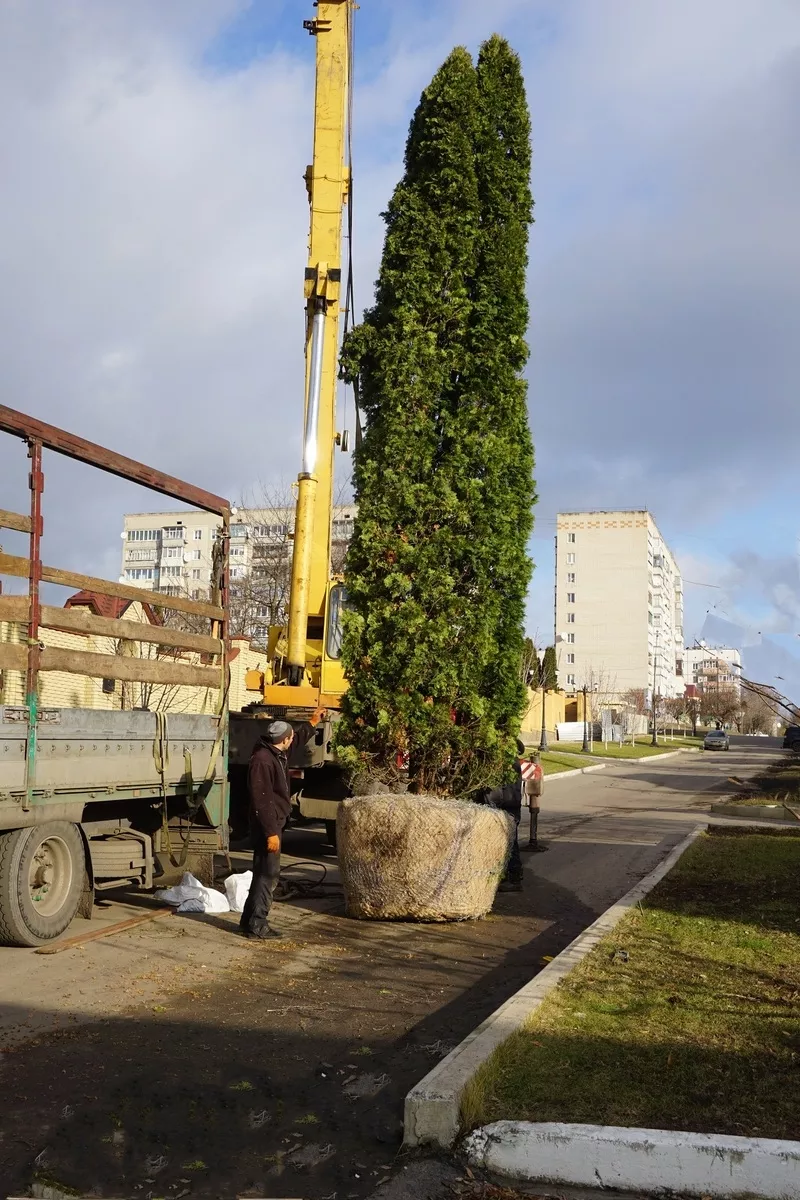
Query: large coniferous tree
column 437, row 570
column 498, row 353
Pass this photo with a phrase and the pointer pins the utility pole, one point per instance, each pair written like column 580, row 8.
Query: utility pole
column 585, row 747
column 654, row 738
column 543, row 738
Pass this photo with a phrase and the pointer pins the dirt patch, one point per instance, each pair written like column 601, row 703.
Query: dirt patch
column 286, row 1074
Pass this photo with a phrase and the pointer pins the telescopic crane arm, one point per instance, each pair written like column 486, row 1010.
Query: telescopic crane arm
column 327, row 181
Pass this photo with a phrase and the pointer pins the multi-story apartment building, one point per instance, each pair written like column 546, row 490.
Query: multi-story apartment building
column 618, row 604
column 171, row 552
column 709, row 668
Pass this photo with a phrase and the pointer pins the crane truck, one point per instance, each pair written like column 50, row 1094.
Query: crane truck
column 304, row 669
column 95, row 798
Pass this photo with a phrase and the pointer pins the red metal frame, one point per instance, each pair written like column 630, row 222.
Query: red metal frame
column 39, row 435
column 71, row 446
column 36, row 483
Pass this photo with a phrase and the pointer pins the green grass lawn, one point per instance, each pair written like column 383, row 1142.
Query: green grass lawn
column 554, row 762
column 687, row 1017
column 642, row 748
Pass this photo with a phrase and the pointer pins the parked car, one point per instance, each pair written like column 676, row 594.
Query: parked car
column 716, row 739
column 791, row 739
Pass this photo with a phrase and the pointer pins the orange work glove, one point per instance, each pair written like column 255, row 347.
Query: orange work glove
column 318, row 715
column 273, row 843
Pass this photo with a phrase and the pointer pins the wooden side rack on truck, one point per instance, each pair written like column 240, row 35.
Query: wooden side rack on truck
column 95, row 798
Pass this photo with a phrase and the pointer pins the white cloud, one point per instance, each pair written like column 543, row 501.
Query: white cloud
column 154, row 229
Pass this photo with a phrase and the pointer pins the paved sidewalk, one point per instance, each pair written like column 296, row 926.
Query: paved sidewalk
column 284, row 1067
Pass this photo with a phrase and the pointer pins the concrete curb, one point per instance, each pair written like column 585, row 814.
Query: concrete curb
column 657, row 757
column 657, row 1160
column 575, row 771
column 433, row 1107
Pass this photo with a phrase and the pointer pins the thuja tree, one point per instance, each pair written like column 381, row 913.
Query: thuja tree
column 550, row 669
column 437, row 569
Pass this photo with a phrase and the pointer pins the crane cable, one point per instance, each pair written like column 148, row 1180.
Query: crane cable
column 349, row 304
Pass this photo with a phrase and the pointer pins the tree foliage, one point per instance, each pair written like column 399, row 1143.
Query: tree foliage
column 531, row 671
column 437, row 571
column 719, row 704
column 550, row 669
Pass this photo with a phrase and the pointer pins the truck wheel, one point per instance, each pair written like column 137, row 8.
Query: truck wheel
column 42, row 874
column 330, row 833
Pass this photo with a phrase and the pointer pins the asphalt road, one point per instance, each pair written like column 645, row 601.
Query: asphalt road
column 177, row 1059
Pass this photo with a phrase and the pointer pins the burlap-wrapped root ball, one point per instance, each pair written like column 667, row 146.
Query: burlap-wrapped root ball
column 420, row 858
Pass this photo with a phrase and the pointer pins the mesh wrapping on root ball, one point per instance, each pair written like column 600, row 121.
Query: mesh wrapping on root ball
column 420, row 858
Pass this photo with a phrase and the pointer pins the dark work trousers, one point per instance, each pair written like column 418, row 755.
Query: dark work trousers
column 514, row 865
column 266, row 873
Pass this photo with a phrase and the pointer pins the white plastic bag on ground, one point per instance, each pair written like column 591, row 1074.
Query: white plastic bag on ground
column 190, row 896
column 211, row 901
column 236, row 889
column 189, row 888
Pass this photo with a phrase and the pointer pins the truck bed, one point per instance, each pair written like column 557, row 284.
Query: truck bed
column 88, row 755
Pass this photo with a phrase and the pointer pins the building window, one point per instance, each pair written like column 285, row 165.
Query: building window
column 171, row 571
column 571, row 659
column 172, row 552
column 196, row 573
column 198, row 535
column 237, row 572
column 238, row 551
column 571, row 538
column 142, row 535
column 570, row 560
column 260, row 633
column 571, row 680
column 109, row 686
column 238, row 531
column 174, row 531
column 570, row 597
column 139, row 573
column 140, row 555
column 271, row 531
column 170, row 590
column 570, row 577
column 571, row 638
column 570, row 618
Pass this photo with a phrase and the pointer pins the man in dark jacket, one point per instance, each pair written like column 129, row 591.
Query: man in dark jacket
column 269, row 793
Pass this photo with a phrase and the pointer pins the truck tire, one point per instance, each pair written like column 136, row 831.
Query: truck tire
column 42, row 875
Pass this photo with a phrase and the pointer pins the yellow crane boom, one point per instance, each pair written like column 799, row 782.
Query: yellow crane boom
column 308, row 675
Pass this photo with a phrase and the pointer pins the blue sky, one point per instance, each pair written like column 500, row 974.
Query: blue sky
column 154, row 244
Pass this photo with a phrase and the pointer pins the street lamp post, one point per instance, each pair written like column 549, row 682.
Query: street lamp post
column 585, row 746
